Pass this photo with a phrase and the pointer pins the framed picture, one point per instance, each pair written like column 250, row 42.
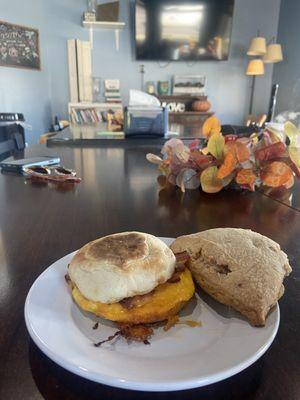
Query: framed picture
column 163, row 88
column 19, row 46
column 150, row 87
column 189, row 84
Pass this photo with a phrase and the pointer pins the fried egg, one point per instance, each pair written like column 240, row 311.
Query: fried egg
column 166, row 300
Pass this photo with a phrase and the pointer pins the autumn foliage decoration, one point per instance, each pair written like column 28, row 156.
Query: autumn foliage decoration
column 263, row 159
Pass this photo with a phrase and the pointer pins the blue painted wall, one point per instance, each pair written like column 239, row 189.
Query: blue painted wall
column 287, row 72
column 24, row 90
column 41, row 95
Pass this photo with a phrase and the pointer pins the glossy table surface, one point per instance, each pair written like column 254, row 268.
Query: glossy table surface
column 92, row 134
column 40, row 223
column 290, row 198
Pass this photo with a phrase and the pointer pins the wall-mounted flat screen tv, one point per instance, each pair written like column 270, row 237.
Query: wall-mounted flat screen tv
column 183, row 30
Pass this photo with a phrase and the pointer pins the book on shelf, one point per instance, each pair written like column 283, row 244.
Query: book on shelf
column 85, row 116
column 82, row 115
column 112, row 94
column 113, row 99
column 74, row 117
column 110, row 99
column 112, row 91
column 112, row 84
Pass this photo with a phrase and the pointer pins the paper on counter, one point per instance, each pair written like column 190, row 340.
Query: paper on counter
column 141, row 99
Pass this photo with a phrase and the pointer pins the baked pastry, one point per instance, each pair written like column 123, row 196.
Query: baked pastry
column 237, row 267
column 131, row 278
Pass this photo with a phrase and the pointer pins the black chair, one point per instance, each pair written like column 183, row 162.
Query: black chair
column 12, row 139
column 239, row 130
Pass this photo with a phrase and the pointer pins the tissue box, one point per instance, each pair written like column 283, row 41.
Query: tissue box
column 145, row 121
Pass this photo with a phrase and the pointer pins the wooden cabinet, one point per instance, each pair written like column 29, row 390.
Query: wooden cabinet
column 190, row 122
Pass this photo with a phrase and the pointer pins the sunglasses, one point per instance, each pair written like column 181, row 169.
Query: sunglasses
column 54, row 174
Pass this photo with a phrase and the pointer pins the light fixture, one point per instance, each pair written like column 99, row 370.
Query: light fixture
column 257, row 46
column 262, row 54
column 255, row 67
column 273, row 54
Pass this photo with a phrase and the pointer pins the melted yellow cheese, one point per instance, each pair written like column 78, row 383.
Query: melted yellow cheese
column 166, row 300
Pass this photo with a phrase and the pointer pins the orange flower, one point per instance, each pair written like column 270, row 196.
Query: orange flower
column 242, row 151
column 270, row 152
column 210, row 182
column 228, row 166
column 211, row 126
column 290, row 183
column 246, row 177
column 239, row 150
column 276, row 174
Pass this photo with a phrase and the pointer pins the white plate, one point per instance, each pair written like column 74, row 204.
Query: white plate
column 181, row 358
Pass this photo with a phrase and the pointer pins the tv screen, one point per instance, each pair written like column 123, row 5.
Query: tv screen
column 183, row 30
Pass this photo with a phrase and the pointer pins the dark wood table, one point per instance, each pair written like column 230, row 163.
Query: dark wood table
column 41, row 223
column 290, row 198
column 91, row 135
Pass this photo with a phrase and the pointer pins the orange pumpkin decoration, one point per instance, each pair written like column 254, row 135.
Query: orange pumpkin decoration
column 201, row 104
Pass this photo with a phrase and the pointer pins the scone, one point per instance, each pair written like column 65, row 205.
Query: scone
column 237, row 267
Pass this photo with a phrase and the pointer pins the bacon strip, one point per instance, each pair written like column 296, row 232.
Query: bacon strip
column 138, row 333
column 181, row 259
column 171, row 321
column 108, row 339
column 183, row 256
column 138, row 300
column 69, row 282
column 175, row 277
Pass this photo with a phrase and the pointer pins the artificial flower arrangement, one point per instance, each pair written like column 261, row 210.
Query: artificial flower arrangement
column 263, row 159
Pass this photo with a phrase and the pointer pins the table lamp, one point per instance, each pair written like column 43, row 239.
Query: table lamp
column 268, row 54
column 257, row 47
column 273, row 54
column 255, row 67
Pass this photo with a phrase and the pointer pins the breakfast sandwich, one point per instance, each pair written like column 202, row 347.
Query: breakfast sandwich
column 131, row 278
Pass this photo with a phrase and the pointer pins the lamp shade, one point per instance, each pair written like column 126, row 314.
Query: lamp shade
column 255, row 67
column 273, row 54
column 257, row 47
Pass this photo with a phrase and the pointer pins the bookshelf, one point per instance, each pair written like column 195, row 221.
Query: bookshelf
column 187, row 117
column 90, row 113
